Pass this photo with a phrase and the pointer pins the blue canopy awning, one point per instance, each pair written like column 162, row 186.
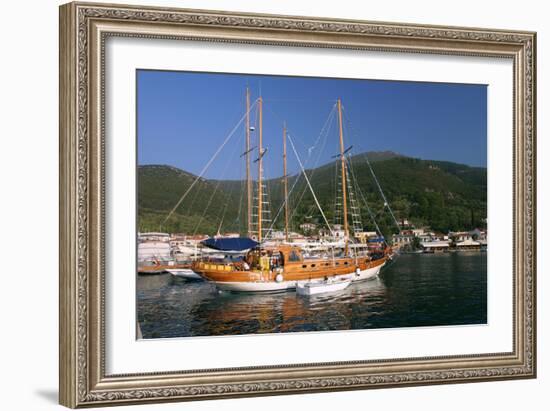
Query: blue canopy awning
column 230, row 244
column 376, row 240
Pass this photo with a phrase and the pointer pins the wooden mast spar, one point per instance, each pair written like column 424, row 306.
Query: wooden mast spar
column 285, row 182
column 343, row 162
column 248, row 179
column 260, row 153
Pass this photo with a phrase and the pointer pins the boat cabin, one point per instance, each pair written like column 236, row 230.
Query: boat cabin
column 273, row 257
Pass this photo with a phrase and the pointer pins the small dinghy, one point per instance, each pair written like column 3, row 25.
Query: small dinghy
column 321, row 287
column 184, row 273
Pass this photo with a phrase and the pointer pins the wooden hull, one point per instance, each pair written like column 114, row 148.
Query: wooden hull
column 227, row 278
column 371, row 271
column 155, row 269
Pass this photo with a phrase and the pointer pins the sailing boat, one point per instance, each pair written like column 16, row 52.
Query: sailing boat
column 282, row 267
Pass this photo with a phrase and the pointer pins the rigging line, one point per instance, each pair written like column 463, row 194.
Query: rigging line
column 283, row 204
column 311, row 174
column 325, row 130
column 253, row 146
column 256, row 121
column 354, row 184
column 393, row 259
column 253, row 141
column 215, row 190
column 197, row 193
column 369, row 211
column 299, row 100
column 227, row 196
column 208, row 164
column 242, row 193
column 386, row 203
column 192, row 203
column 223, row 216
column 308, row 183
column 320, row 132
column 336, row 211
column 268, row 196
column 206, row 208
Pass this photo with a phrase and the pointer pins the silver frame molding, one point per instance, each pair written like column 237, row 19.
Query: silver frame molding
column 84, row 27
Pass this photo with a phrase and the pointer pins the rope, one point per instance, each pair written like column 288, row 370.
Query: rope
column 208, row 164
column 330, row 117
column 215, row 191
column 324, row 130
column 386, row 203
column 364, row 199
column 309, row 184
column 242, row 194
column 223, row 216
column 280, row 209
column 266, row 195
column 356, row 219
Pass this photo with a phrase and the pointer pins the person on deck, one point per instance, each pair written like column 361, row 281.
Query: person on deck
column 264, row 262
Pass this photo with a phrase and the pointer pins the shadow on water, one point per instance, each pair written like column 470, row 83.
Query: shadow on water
column 417, row 290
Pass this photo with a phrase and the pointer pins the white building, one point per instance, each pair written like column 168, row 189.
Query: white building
column 308, row 227
column 154, row 236
column 403, row 239
column 337, row 233
column 435, row 246
column 464, row 241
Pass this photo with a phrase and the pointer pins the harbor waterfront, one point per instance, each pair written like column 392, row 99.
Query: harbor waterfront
column 413, row 290
column 297, row 227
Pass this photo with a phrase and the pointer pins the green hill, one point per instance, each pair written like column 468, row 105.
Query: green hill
column 444, row 195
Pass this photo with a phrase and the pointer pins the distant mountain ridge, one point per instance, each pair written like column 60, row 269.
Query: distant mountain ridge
column 443, row 195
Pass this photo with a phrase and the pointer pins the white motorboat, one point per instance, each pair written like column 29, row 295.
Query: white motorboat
column 184, row 273
column 327, row 286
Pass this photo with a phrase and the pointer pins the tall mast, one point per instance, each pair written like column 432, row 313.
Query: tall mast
column 248, row 179
column 285, row 182
column 260, row 189
column 343, row 161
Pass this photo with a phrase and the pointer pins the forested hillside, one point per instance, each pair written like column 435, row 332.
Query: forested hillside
column 443, row 195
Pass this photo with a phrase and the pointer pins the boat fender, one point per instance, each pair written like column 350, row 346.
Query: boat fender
column 357, row 271
column 279, row 278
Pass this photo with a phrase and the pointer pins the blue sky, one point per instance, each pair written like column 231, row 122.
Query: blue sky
column 183, row 117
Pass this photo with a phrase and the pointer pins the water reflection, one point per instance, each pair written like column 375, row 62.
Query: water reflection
column 416, row 290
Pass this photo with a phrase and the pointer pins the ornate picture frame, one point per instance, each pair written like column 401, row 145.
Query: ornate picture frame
column 84, row 28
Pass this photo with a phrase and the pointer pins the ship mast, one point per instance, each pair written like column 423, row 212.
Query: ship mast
column 285, row 182
column 343, row 162
column 248, row 179
column 260, row 189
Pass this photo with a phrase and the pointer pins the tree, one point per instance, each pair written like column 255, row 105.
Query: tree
column 416, row 243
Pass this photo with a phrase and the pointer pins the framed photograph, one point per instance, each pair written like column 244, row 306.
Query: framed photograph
column 261, row 205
